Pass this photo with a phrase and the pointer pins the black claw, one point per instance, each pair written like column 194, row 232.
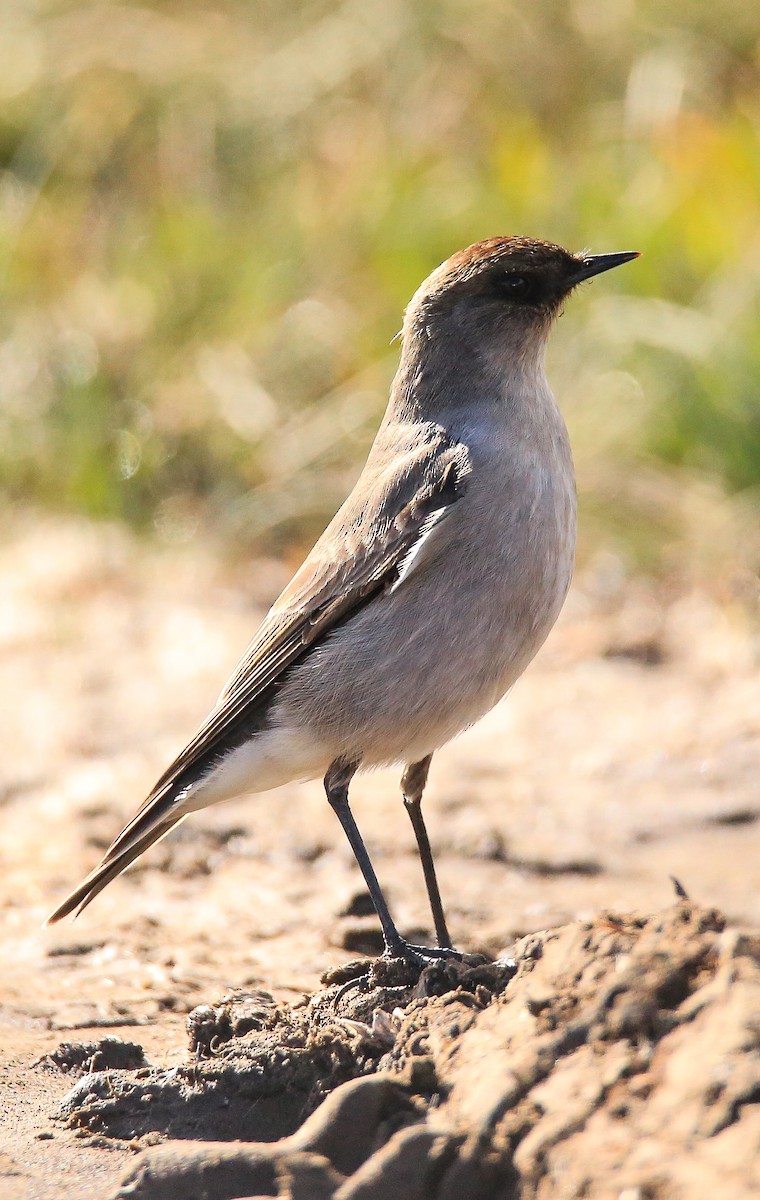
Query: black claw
column 360, row 982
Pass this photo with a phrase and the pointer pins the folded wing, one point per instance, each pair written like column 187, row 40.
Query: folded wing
column 367, row 548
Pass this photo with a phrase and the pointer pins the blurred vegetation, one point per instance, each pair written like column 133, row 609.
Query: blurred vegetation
column 212, row 215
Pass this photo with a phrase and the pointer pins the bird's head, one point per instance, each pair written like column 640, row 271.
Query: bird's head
column 503, row 294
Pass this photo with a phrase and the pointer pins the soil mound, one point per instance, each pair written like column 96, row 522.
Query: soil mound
column 613, row 1058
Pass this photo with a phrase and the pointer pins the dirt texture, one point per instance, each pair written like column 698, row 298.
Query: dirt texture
column 619, row 1056
column 199, row 1032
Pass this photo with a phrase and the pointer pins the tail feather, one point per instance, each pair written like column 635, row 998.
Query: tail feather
column 160, row 813
column 112, row 865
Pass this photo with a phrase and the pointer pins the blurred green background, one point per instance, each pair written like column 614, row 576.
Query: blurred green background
column 212, row 215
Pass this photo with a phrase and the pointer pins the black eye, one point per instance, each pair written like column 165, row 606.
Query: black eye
column 516, row 287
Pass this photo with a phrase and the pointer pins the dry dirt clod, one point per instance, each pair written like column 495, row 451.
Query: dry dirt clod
column 361, row 935
column 209, row 1028
column 357, row 968
column 110, row 1053
column 607, row 1053
column 358, row 904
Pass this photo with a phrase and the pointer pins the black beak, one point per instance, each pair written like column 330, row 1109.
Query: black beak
column 594, row 264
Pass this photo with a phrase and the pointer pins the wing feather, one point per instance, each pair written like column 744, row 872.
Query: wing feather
column 372, row 544
column 323, row 594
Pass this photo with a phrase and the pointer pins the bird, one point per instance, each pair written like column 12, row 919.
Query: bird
column 429, row 592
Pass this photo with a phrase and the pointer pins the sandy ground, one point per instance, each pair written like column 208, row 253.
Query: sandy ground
column 629, row 753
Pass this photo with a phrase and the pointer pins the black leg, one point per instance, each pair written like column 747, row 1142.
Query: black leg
column 412, row 786
column 337, row 782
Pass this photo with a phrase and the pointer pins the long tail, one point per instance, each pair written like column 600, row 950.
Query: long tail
column 150, row 824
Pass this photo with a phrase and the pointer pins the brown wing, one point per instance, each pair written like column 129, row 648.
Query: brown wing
column 323, row 594
column 372, row 548
column 368, row 547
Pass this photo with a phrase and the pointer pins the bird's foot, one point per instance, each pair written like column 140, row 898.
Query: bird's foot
column 419, row 955
column 403, row 965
